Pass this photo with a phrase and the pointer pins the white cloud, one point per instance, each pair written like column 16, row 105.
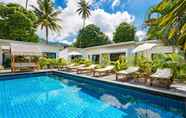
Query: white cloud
column 115, row 3
column 108, row 22
column 72, row 22
column 141, row 35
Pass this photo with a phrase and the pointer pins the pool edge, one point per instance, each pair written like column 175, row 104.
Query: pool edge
column 154, row 91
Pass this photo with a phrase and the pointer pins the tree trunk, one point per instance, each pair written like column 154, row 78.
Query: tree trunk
column 26, row 5
column 84, row 22
column 46, row 34
column 82, row 28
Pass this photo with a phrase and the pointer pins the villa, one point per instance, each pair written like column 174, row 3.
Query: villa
column 92, row 53
column 114, row 50
column 131, row 64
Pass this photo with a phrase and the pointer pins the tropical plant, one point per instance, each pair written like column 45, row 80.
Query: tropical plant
column 47, row 16
column 144, row 64
column 43, row 62
column 85, row 61
column 84, row 10
column 52, row 63
column 91, row 36
column 181, row 74
column 105, row 60
column 120, row 64
column 159, row 61
column 174, row 61
column 124, row 32
column 167, row 22
column 17, row 23
column 62, row 62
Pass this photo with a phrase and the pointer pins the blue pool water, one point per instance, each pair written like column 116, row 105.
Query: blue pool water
column 52, row 96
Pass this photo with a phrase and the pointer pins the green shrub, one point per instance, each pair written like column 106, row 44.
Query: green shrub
column 43, row 62
column 175, row 61
column 87, row 62
column 53, row 63
column 62, row 62
column 120, row 64
column 159, row 61
column 181, row 73
column 47, row 63
column 144, row 64
column 105, row 60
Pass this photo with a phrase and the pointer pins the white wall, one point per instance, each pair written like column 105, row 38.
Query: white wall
column 63, row 54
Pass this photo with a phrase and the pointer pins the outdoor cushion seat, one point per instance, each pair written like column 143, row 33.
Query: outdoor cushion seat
column 86, row 69
column 162, row 73
column 163, row 76
column 128, row 71
column 74, row 68
column 103, row 71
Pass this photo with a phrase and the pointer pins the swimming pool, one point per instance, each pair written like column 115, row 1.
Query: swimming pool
column 59, row 95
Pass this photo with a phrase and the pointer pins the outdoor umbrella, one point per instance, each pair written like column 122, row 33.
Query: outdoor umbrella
column 144, row 47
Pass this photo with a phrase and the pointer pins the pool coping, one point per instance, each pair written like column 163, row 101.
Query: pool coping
column 161, row 92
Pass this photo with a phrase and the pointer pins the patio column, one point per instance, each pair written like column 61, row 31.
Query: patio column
column 13, row 63
column 100, row 58
column 1, row 57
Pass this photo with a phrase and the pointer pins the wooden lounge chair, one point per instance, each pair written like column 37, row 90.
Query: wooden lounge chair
column 163, row 77
column 126, row 73
column 1, row 67
column 103, row 71
column 88, row 69
column 66, row 66
column 75, row 67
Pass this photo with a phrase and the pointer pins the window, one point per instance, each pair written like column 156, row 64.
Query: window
column 50, row 55
column 95, row 59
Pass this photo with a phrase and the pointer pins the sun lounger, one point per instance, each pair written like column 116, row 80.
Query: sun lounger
column 66, row 67
column 1, row 67
column 103, row 71
column 163, row 77
column 126, row 73
column 74, row 68
column 86, row 69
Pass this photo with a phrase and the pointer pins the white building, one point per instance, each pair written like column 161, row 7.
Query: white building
column 93, row 53
column 115, row 50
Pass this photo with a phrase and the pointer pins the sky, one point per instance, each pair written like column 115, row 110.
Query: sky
column 107, row 14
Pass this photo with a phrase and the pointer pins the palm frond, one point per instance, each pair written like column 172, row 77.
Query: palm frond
column 47, row 16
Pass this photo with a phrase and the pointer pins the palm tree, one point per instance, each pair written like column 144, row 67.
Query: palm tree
column 84, row 10
column 171, row 23
column 47, row 16
column 26, row 4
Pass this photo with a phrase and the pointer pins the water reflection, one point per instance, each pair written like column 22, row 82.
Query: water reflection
column 146, row 113
column 113, row 101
